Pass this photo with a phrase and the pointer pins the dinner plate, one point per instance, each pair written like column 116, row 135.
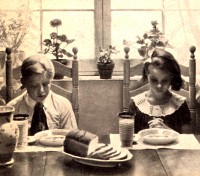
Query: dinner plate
column 99, row 162
column 53, row 137
column 158, row 136
column 31, row 140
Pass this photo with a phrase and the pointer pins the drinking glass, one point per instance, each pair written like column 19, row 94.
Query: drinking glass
column 126, row 128
column 22, row 122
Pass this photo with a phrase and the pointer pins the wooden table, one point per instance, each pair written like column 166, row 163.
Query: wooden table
column 159, row 162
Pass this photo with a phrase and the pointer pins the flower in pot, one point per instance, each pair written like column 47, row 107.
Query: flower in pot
column 105, row 64
column 57, row 43
column 151, row 40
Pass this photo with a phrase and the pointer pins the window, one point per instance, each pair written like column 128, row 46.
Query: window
column 95, row 23
column 131, row 19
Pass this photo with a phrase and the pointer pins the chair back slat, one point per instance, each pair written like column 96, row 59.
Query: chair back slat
column 139, row 90
column 62, row 69
column 17, row 73
column 184, row 70
column 137, row 69
column 61, row 91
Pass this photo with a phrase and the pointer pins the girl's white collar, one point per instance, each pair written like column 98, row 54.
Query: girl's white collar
column 158, row 110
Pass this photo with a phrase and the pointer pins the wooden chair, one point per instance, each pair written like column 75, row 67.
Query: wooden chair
column 70, row 72
column 189, row 91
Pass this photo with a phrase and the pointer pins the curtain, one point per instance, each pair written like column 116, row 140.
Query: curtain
column 182, row 27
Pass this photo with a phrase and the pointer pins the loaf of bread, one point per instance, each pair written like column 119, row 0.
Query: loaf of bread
column 77, row 142
column 85, row 144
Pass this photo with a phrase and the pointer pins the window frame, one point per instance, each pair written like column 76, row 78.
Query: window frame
column 102, row 31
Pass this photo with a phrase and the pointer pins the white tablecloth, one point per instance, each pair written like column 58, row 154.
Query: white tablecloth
column 185, row 141
column 39, row 148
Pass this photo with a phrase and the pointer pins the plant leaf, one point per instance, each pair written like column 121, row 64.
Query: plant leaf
column 68, row 54
column 46, row 50
column 70, row 41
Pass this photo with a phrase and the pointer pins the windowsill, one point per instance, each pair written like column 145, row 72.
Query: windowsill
column 92, row 78
column 97, row 78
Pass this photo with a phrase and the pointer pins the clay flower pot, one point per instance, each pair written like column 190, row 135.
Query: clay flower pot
column 105, row 70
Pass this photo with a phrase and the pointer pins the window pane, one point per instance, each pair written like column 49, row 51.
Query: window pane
column 75, row 25
column 68, row 4
column 20, row 31
column 136, row 4
column 182, row 4
column 128, row 25
column 31, row 44
column 12, row 4
column 184, row 34
column 34, row 5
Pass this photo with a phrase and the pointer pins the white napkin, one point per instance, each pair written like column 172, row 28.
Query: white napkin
column 185, row 141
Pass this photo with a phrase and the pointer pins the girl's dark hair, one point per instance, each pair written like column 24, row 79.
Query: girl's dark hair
column 165, row 61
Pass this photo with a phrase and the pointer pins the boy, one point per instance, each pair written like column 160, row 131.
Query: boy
column 37, row 72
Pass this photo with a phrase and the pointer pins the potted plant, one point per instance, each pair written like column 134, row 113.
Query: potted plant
column 57, row 43
column 13, row 29
column 105, row 64
column 150, row 40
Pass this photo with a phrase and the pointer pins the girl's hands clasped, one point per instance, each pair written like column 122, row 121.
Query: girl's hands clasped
column 156, row 123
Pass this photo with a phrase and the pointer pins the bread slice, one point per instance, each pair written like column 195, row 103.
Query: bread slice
column 121, row 156
column 115, row 153
column 101, row 152
column 111, row 153
column 94, row 146
column 107, row 152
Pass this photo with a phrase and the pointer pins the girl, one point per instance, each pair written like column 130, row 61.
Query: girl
column 158, row 107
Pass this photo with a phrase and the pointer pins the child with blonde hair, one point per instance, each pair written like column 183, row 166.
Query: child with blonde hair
column 54, row 110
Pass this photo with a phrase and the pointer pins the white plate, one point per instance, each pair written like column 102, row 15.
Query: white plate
column 53, row 137
column 158, row 136
column 31, row 140
column 99, row 162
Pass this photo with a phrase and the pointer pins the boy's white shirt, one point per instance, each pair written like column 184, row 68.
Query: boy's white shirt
column 58, row 110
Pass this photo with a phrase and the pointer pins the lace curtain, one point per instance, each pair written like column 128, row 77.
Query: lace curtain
column 182, row 25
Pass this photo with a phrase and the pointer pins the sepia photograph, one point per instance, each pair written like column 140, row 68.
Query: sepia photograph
column 99, row 87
